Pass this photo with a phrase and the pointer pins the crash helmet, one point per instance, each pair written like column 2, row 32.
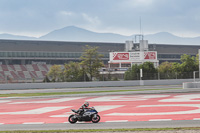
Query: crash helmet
column 86, row 104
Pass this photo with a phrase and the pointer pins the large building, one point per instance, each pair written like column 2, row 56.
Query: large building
column 133, row 54
column 49, row 52
column 54, row 52
column 25, row 59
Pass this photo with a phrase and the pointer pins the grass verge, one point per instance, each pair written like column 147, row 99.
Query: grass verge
column 104, row 130
column 69, row 93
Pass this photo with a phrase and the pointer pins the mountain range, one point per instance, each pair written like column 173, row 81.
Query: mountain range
column 72, row 33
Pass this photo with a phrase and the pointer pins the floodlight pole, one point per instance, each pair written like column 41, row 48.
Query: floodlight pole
column 199, row 63
column 141, row 74
column 194, row 74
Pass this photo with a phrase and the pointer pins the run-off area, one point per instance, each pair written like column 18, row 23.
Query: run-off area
column 115, row 108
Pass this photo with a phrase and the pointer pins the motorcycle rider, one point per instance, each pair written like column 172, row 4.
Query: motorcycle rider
column 83, row 107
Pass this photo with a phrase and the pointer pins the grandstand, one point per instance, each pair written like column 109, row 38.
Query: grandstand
column 25, row 73
column 27, row 60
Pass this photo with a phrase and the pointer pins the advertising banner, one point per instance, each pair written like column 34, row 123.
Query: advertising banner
column 133, row 56
column 121, row 56
column 150, row 55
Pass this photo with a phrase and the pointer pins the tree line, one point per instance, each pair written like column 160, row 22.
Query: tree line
column 91, row 62
column 86, row 70
column 166, row 70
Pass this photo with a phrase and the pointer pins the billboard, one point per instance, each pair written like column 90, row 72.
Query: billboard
column 121, row 56
column 133, row 56
column 150, row 55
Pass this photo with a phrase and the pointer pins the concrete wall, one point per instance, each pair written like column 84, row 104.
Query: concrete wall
column 191, row 85
column 92, row 84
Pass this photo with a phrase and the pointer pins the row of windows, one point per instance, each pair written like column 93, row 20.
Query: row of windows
column 44, row 54
column 67, row 55
column 174, row 56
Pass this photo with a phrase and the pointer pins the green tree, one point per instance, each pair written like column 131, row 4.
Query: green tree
column 148, row 67
column 165, row 67
column 149, row 71
column 133, row 73
column 73, row 72
column 55, row 73
column 188, row 63
column 46, row 79
column 167, row 70
column 91, row 61
column 177, row 70
column 197, row 59
column 176, row 67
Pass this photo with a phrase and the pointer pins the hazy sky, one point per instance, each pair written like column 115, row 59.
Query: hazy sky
column 38, row 17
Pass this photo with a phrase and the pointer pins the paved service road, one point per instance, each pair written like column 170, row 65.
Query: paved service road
column 121, row 111
column 101, row 125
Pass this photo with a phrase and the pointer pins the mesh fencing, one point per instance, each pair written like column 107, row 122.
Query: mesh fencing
column 112, row 77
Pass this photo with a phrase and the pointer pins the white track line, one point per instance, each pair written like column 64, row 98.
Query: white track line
column 5, row 101
column 80, row 122
column 118, row 121
column 33, row 123
column 196, row 119
column 36, row 111
column 160, row 119
column 1, row 123
column 58, row 100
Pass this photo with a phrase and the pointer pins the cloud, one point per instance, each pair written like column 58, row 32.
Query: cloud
column 38, row 17
column 66, row 13
column 94, row 21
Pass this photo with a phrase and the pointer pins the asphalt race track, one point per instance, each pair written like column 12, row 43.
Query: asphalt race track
column 101, row 125
column 129, row 110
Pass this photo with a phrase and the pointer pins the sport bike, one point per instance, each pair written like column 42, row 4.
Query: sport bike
column 89, row 114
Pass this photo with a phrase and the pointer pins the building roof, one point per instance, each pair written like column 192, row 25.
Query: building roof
column 61, row 46
column 56, row 46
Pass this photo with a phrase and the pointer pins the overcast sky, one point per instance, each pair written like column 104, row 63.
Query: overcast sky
column 38, row 17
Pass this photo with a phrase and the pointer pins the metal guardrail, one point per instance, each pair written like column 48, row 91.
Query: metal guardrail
column 91, row 84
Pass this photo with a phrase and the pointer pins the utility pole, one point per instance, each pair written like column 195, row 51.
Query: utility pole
column 199, row 63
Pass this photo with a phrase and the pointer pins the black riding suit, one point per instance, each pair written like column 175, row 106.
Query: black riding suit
column 82, row 109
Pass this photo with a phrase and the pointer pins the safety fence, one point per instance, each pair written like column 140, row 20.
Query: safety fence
column 110, row 77
column 148, row 76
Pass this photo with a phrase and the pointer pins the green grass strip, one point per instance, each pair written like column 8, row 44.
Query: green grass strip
column 103, row 130
column 69, row 93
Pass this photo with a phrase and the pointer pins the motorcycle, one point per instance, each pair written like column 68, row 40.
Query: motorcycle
column 89, row 114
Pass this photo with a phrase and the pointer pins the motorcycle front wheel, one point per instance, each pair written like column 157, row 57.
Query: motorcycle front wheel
column 72, row 119
column 96, row 119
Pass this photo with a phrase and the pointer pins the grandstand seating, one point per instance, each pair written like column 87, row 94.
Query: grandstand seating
column 4, row 67
column 23, row 68
column 22, row 72
column 12, row 67
column 17, row 68
column 35, row 67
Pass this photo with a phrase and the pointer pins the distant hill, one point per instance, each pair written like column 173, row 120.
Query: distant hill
column 167, row 38
column 72, row 33
column 16, row 37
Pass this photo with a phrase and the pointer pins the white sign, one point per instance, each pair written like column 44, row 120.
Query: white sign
column 141, row 73
column 133, row 56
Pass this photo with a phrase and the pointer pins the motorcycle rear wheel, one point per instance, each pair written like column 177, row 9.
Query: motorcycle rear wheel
column 72, row 120
column 97, row 119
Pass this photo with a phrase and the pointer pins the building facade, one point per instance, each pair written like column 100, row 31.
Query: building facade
column 24, row 52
